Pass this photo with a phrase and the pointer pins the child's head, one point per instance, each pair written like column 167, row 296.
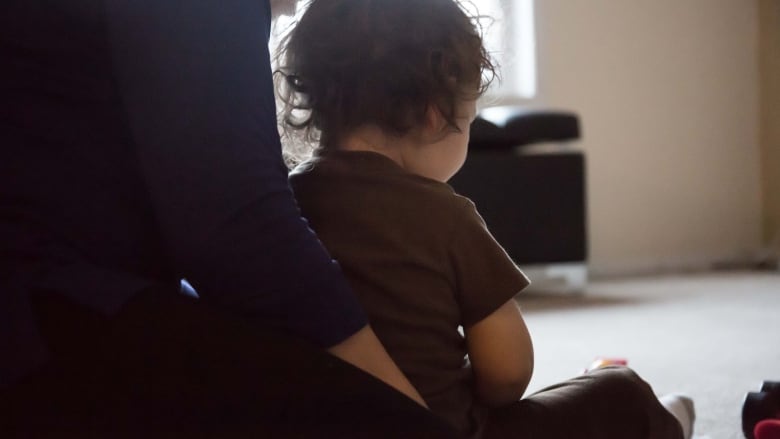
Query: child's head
column 384, row 63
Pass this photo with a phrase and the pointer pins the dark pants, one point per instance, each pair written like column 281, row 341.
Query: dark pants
column 608, row 403
column 168, row 366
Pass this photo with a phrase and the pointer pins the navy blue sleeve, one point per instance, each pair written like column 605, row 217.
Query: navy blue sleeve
column 195, row 79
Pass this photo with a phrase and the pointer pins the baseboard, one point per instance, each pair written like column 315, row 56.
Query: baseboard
column 573, row 277
column 759, row 259
column 567, row 278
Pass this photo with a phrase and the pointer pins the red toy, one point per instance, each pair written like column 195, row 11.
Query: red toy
column 767, row 429
column 759, row 407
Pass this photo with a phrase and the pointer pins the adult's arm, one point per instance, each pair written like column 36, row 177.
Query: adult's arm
column 195, row 80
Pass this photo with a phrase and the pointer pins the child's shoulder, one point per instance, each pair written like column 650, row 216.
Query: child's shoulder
column 375, row 174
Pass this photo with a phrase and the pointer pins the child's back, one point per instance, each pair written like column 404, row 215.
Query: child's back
column 390, row 87
column 420, row 260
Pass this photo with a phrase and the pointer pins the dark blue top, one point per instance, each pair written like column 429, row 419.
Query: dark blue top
column 138, row 145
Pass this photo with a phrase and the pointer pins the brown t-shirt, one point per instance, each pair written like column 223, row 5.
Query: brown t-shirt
column 421, row 262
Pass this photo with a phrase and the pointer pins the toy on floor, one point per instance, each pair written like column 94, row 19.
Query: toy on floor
column 767, row 429
column 600, row 362
column 759, row 407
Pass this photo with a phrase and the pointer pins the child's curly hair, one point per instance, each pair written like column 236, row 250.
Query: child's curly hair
column 348, row 63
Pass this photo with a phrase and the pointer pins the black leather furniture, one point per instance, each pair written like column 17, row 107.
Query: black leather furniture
column 531, row 193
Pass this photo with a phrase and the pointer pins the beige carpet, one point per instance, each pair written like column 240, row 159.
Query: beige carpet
column 714, row 336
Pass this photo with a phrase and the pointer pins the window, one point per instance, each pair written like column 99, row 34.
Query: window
column 510, row 37
column 508, row 27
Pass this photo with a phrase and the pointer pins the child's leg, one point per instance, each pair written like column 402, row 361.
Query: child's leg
column 613, row 402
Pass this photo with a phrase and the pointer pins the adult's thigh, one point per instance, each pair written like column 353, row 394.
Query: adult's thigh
column 167, row 365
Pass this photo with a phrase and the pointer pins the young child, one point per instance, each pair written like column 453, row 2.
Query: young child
column 389, row 89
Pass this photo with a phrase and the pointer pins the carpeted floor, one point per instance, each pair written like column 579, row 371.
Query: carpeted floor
column 714, row 336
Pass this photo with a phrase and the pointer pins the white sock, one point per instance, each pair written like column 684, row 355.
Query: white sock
column 681, row 407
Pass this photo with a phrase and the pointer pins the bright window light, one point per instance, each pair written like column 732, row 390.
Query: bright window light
column 524, row 34
column 510, row 36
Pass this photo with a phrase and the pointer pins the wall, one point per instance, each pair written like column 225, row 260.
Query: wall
column 668, row 96
column 770, row 118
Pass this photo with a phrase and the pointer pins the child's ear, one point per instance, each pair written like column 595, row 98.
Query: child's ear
column 435, row 124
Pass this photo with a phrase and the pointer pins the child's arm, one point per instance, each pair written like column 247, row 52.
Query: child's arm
column 501, row 354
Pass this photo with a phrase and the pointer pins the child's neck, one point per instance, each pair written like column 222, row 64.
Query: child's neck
column 424, row 153
column 372, row 138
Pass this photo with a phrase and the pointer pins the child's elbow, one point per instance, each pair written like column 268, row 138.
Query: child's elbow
column 497, row 396
column 506, row 390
